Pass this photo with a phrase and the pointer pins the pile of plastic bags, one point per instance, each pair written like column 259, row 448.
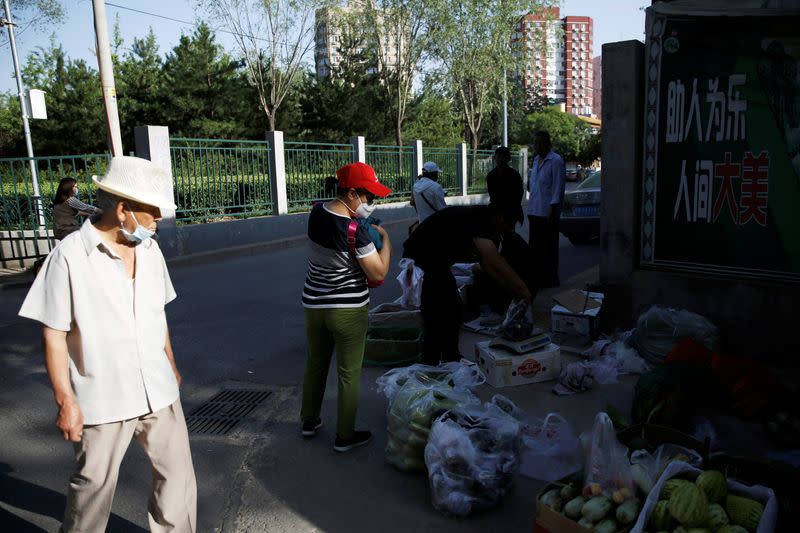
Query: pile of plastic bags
column 659, row 329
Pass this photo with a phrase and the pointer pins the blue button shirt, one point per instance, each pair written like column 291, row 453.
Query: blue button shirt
column 546, row 184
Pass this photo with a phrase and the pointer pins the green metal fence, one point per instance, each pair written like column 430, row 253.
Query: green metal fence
column 17, row 201
column 311, row 171
column 447, row 159
column 394, row 166
column 479, row 163
column 216, row 179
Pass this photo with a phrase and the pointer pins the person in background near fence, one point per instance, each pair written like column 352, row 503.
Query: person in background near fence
column 453, row 235
column 504, row 184
column 67, row 208
column 100, row 297
column 427, row 196
column 341, row 260
column 546, row 181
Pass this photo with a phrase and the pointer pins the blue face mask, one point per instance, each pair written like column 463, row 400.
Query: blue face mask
column 139, row 235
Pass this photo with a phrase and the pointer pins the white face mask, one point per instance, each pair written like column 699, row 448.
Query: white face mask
column 139, row 235
column 364, row 210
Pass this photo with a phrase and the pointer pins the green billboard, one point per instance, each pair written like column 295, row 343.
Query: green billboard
column 721, row 190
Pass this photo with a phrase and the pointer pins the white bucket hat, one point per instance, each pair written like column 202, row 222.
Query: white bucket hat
column 137, row 179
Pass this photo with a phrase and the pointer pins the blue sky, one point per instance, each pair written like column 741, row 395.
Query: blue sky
column 614, row 20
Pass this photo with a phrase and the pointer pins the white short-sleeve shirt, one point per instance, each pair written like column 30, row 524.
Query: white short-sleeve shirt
column 117, row 362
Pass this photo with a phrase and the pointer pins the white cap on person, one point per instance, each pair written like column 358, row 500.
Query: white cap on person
column 137, row 179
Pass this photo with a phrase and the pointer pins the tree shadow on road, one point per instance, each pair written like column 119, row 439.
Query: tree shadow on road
column 42, row 501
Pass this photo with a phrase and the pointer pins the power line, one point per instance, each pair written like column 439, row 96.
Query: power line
column 193, row 24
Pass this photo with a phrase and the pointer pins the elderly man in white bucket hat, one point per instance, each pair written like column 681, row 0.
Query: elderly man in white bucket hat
column 100, row 297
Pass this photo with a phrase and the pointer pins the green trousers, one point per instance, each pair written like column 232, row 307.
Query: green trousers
column 346, row 330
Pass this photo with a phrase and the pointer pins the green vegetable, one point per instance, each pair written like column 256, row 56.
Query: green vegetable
column 699, row 530
column 585, row 522
column 596, row 508
column 689, row 505
column 714, row 484
column 660, row 519
column 680, row 529
column 732, row 529
column 568, row 492
column 606, row 526
column 717, row 517
column 552, row 499
column 573, row 507
column 628, row 511
column 744, row 511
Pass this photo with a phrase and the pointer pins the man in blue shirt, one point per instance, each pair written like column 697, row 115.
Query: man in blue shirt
column 546, row 181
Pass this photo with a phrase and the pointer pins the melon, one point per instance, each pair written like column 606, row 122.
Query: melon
column 714, row 484
column 660, row 519
column 744, row 511
column 732, row 529
column 671, row 485
column 717, row 517
column 689, row 505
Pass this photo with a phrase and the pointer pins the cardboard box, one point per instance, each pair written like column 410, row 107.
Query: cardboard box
column 506, row 369
column 575, row 322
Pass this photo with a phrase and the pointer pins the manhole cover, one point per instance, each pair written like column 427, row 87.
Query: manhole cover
column 220, row 414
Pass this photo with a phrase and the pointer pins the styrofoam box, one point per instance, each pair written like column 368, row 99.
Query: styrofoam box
column 562, row 320
column 505, row 369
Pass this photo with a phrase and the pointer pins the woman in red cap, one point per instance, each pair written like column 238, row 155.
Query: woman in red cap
column 335, row 297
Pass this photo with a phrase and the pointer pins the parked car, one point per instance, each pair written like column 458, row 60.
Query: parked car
column 572, row 171
column 580, row 216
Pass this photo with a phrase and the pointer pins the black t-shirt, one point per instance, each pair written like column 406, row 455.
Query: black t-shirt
column 505, row 188
column 446, row 237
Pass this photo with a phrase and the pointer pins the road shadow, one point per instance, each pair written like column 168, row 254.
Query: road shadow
column 42, row 501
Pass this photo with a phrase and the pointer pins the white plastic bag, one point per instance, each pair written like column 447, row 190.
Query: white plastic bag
column 550, row 449
column 607, row 465
column 458, row 374
column 759, row 493
column 410, row 279
column 472, row 456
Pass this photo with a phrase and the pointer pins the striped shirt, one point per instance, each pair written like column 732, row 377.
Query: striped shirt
column 334, row 278
column 76, row 204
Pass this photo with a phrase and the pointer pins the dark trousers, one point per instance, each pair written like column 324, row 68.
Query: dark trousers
column 441, row 315
column 543, row 240
column 518, row 254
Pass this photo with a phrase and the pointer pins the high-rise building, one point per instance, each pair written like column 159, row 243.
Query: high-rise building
column 597, row 89
column 560, row 68
column 330, row 36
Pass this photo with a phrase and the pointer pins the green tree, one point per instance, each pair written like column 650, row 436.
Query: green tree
column 572, row 138
column 75, row 117
column 140, row 93
column 39, row 14
column 433, row 121
column 198, row 81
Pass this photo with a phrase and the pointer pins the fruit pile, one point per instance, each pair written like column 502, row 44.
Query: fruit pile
column 592, row 509
column 703, row 506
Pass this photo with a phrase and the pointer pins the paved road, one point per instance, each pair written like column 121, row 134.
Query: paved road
column 237, row 322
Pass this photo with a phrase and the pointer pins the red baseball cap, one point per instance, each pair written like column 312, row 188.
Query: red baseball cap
column 361, row 176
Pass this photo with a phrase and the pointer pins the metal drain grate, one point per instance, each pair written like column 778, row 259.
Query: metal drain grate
column 220, row 414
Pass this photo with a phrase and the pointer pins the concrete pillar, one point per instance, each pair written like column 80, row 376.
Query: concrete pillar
column 463, row 176
column 359, row 149
column 523, row 164
column 277, row 173
column 418, row 159
column 622, row 154
column 152, row 142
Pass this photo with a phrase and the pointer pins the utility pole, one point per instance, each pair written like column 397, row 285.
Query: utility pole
column 107, row 76
column 505, row 110
column 37, row 196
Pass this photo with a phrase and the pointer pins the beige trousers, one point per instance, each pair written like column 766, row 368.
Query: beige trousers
column 163, row 435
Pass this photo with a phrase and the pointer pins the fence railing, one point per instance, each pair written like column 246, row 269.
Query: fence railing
column 215, row 179
column 311, row 171
column 17, row 201
column 479, row 163
column 395, row 167
column 448, row 162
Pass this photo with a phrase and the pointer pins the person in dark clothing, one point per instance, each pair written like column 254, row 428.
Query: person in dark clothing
column 67, row 208
column 457, row 234
column 504, row 183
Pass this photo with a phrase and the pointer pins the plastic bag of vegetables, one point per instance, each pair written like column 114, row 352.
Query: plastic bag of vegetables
column 608, row 471
column 415, row 406
column 457, row 374
column 550, row 449
column 659, row 329
column 472, row 456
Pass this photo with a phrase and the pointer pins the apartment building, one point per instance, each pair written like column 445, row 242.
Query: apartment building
column 560, row 69
column 597, row 89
